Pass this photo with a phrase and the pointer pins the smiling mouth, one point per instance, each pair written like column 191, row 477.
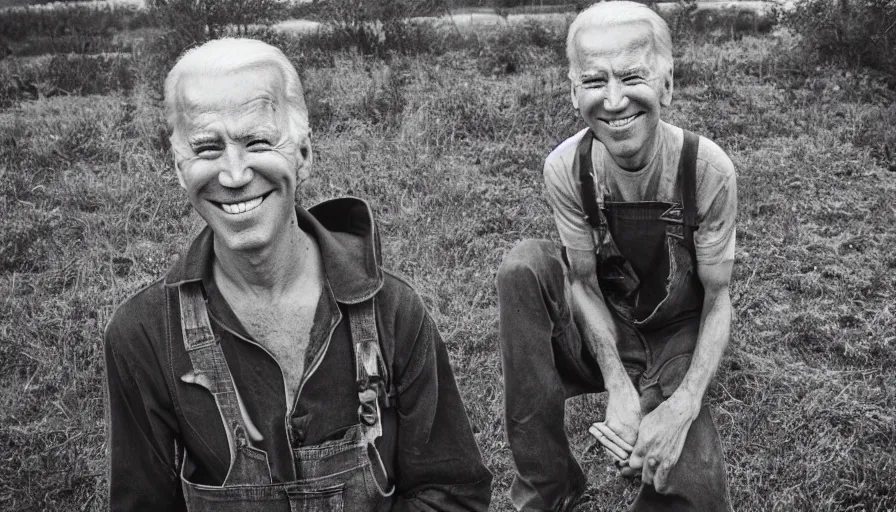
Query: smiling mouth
column 621, row 123
column 243, row 207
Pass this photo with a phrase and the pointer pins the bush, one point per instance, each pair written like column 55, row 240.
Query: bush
column 848, row 32
column 380, row 27
column 512, row 48
column 102, row 20
column 196, row 21
column 66, row 74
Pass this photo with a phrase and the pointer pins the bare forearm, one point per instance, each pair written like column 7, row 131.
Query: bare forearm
column 715, row 330
column 599, row 333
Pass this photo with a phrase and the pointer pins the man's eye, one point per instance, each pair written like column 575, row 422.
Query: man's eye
column 594, row 83
column 258, row 143
column 206, row 149
column 633, row 80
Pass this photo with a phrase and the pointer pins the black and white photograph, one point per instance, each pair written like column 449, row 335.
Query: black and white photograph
column 448, row 255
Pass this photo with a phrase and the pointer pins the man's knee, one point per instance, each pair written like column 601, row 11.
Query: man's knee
column 529, row 260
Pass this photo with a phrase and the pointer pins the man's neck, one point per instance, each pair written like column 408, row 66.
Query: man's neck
column 274, row 271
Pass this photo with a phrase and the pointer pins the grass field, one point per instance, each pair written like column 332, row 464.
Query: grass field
column 448, row 149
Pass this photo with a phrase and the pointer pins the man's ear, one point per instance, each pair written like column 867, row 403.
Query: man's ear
column 666, row 93
column 572, row 94
column 304, row 157
column 177, row 170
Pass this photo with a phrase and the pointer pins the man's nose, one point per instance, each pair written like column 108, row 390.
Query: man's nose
column 236, row 172
column 615, row 98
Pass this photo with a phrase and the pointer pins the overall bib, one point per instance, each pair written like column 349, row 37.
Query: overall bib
column 345, row 474
column 647, row 266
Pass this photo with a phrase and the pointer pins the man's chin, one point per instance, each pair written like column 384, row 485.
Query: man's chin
column 246, row 242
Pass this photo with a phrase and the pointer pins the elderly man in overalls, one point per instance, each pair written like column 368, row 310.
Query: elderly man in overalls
column 636, row 302
column 277, row 366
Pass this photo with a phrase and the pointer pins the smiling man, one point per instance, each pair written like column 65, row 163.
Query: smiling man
column 636, row 302
column 277, row 366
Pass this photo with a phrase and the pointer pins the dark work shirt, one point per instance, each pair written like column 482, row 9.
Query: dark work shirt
column 427, row 444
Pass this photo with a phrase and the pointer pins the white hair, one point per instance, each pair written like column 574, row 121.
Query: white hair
column 233, row 54
column 608, row 14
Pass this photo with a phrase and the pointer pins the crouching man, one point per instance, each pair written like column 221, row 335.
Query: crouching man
column 636, row 303
column 277, row 366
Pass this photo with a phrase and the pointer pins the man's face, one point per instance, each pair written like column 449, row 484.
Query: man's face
column 619, row 93
column 236, row 156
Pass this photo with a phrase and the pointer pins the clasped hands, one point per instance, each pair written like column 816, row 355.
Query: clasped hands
column 652, row 444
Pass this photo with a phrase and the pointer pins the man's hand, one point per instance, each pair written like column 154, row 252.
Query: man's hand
column 624, row 414
column 619, row 431
column 661, row 438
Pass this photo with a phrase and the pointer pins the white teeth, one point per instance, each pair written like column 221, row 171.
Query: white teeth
column 618, row 123
column 242, row 207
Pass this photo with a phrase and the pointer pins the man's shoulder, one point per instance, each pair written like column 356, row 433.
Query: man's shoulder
column 399, row 295
column 403, row 320
column 712, row 160
column 139, row 314
column 561, row 158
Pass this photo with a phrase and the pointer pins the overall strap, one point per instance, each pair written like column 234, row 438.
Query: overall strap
column 210, row 369
column 371, row 370
column 582, row 162
column 687, row 169
column 372, row 377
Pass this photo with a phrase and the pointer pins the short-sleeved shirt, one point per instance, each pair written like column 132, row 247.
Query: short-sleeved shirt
column 716, row 190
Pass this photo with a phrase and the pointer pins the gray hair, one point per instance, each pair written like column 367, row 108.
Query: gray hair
column 606, row 14
column 231, row 54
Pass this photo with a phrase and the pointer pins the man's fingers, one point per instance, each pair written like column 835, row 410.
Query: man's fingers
column 616, row 460
column 660, row 477
column 648, row 472
column 613, row 436
column 628, row 472
column 607, row 443
column 637, row 458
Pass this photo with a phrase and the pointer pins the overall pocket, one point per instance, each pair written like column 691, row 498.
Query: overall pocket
column 328, row 499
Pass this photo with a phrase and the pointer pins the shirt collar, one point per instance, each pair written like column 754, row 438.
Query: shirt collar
column 348, row 241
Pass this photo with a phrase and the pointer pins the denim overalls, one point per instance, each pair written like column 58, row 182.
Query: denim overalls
column 647, row 264
column 647, row 274
column 647, row 271
column 345, row 474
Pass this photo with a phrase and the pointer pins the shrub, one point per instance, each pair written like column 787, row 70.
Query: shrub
column 101, row 20
column 848, row 32
column 195, row 21
column 380, row 27
column 513, row 47
column 66, row 74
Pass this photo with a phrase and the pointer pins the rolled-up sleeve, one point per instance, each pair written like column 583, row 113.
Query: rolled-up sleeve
column 141, row 442
column 439, row 466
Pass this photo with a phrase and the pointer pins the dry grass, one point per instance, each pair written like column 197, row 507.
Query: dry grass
column 448, row 149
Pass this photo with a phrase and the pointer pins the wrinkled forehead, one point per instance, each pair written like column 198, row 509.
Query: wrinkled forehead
column 257, row 92
column 629, row 44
